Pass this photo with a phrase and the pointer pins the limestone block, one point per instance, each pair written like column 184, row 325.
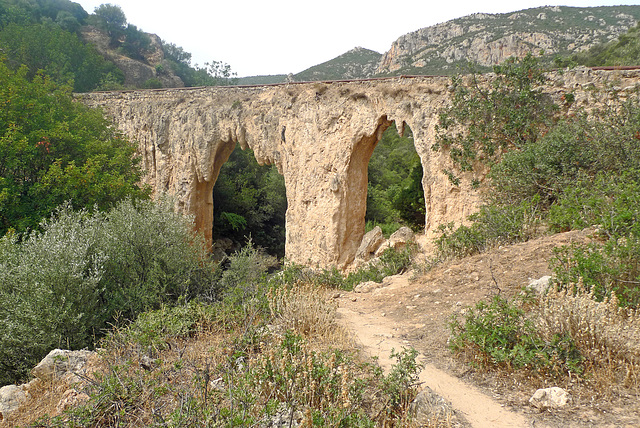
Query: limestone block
column 11, row 397
column 540, row 285
column 59, row 362
column 429, row 407
column 553, row 397
column 366, row 287
column 401, row 237
column 371, row 241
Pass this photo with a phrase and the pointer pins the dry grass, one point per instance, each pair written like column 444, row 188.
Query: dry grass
column 607, row 336
column 305, row 360
column 310, row 311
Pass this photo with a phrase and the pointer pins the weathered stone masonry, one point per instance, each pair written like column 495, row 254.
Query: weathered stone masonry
column 320, row 135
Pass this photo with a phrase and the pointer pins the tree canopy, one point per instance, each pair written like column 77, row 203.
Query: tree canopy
column 53, row 150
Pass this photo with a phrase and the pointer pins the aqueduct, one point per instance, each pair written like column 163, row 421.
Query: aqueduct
column 320, row 135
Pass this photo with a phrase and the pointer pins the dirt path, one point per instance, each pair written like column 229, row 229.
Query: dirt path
column 379, row 339
column 413, row 312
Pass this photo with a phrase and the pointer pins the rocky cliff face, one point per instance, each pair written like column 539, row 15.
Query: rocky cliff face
column 136, row 72
column 489, row 39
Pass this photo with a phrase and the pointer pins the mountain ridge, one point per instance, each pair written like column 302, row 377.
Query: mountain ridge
column 484, row 40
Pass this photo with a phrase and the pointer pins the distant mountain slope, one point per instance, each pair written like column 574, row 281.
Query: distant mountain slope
column 358, row 63
column 262, row 80
column 625, row 50
column 489, row 39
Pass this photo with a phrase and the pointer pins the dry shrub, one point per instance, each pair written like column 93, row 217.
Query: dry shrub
column 310, row 311
column 607, row 336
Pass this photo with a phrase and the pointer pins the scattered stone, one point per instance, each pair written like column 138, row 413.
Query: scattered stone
column 366, row 287
column 388, row 280
column 284, row 417
column 218, row 384
column 11, row 397
column 59, row 362
column 541, row 285
column 336, row 295
column 553, row 397
column 148, row 363
column 220, row 248
column 428, row 407
column 371, row 241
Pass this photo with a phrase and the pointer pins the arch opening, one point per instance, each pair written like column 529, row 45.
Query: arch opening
column 249, row 203
column 395, row 196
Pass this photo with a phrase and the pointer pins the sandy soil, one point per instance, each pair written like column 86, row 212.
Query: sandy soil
column 410, row 311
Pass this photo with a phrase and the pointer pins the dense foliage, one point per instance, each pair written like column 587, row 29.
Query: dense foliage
column 64, row 286
column 53, row 149
column 395, row 196
column 581, row 171
column 43, row 36
column 483, row 122
column 249, row 202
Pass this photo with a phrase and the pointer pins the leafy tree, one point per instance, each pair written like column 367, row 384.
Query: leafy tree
column 484, row 122
column 53, row 149
column 112, row 19
column 59, row 53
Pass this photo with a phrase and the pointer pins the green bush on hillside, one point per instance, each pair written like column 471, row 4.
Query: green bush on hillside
column 64, row 286
column 53, row 150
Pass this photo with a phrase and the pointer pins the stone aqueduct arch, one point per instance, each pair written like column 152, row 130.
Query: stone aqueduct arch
column 320, row 135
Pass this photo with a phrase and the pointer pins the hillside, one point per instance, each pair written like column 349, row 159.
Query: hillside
column 358, row 63
column 489, row 39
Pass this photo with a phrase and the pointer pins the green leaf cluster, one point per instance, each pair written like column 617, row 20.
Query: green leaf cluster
column 498, row 334
column 53, row 150
column 483, row 122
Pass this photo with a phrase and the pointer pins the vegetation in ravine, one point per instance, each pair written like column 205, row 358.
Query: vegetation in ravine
column 260, row 348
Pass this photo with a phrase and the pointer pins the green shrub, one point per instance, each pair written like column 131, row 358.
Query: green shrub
column 494, row 224
column 63, row 286
column 498, row 334
column 611, row 264
column 484, row 122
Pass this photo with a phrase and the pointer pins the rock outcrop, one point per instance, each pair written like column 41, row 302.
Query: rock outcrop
column 489, row 39
column 136, row 72
column 319, row 135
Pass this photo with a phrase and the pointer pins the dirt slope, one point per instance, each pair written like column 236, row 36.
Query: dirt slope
column 414, row 311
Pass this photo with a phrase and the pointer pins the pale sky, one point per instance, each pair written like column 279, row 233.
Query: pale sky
column 283, row 36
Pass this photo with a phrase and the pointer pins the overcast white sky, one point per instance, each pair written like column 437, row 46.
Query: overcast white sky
column 259, row 37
